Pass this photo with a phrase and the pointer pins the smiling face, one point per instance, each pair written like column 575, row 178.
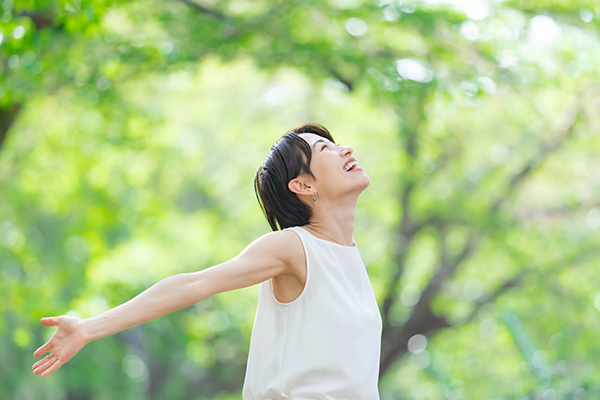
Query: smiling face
column 305, row 161
column 336, row 171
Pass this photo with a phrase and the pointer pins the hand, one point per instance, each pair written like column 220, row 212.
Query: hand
column 64, row 344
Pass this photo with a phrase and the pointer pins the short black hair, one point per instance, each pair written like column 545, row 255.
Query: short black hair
column 288, row 158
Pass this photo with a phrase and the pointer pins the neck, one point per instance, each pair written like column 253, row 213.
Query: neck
column 334, row 221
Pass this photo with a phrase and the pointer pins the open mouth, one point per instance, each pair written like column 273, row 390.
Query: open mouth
column 350, row 166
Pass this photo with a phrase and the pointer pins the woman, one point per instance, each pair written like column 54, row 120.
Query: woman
column 317, row 330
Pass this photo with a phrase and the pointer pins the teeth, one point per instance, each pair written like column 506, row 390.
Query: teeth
column 350, row 165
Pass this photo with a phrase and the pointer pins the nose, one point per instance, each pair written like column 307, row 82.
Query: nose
column 346, row 151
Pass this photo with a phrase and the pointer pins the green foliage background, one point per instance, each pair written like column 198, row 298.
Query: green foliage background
column 130, row 132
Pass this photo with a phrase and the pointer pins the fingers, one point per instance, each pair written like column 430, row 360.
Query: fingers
column 50, row 321
column 40, row 362
column 50, row 363
column 56, row 365
column 47, row 366
column 42, row 365
column 44, row 349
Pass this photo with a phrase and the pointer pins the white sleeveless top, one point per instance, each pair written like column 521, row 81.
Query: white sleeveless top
column 326, row 343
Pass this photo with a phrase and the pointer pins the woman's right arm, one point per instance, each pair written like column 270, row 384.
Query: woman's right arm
column 265, row 258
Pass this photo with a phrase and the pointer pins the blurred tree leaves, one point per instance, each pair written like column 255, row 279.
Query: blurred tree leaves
column 130, row 133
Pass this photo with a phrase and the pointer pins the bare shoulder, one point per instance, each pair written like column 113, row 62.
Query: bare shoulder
column 283, row 246
column 288, row 285
column 282, row 249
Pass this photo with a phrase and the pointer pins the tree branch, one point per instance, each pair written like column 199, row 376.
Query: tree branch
column 515, row 281
column 510, row 283
column 40, row 21
column 536, row 161
column 422, row 320
column 338, row 75
column 208, row 11
column 541, row 216
column 7, row 118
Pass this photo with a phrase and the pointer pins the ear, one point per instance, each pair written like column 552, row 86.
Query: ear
column 301, row 187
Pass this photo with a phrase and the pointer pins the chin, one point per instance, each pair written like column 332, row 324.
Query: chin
column 365, row 182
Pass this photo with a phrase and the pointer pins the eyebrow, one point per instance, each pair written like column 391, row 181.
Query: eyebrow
column 315, row 143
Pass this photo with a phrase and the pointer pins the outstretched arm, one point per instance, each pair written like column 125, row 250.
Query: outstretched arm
column 264, row 258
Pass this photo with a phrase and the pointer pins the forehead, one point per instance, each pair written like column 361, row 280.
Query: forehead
column 312, row 138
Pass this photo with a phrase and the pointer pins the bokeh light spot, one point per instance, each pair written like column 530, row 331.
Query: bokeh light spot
column 597, row 301
column 488, row 328
column 13, row 61
column 593, row 218
column 469, row 30
column 135, row 368
column 18, row 32
column 543, row 29
column 413, row 70
column 477, row 9
column 217, row 321
column 410, row 295
column 487, row 85
column 22, row 337
column 356, row 26
column 473, row 289
column 587, row 16
column 417, row 344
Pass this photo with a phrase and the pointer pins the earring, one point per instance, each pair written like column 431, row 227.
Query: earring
column 314, row 196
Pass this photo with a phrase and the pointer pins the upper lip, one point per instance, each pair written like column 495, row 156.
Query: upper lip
column 349, row 160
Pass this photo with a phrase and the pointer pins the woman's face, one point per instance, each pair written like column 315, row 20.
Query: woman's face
column 330, row 164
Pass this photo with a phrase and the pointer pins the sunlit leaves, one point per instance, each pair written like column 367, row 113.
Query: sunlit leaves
column 143, row 124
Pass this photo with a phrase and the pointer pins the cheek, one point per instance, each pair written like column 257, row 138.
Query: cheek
column 326, row 169
column 328, row 166
column 316, row 166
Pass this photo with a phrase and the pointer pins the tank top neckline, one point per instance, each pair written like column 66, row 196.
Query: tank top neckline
column 329, row 241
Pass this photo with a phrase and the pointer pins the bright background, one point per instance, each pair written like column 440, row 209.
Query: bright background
column 130, row 133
